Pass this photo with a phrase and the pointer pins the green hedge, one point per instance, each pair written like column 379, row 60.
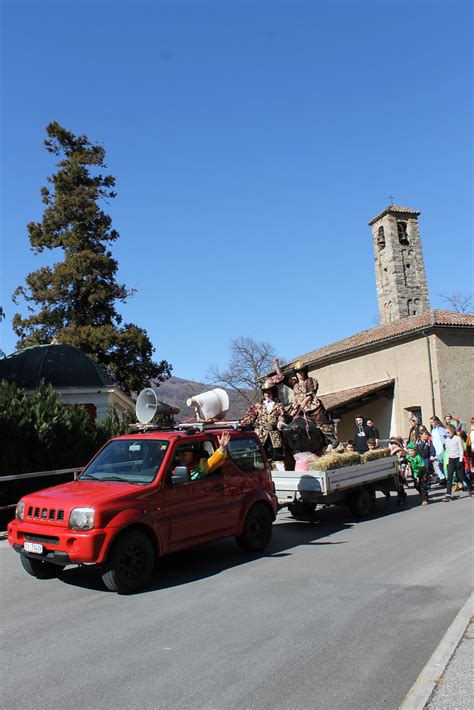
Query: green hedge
column 38, row 432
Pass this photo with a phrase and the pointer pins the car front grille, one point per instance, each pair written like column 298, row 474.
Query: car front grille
column 46, row 515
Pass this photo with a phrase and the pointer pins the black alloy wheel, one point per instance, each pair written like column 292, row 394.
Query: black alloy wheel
column 258, row 528
column 130, row 563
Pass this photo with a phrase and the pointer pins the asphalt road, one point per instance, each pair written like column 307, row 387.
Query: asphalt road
column 340, row 614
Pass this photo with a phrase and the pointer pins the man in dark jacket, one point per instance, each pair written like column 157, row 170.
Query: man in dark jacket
column 361, row 434
column 374, row 432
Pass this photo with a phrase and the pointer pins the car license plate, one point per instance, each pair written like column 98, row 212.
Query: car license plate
column 33, row 547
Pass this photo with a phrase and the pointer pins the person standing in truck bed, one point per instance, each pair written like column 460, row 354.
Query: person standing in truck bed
column 267, row 416
column 305, row 388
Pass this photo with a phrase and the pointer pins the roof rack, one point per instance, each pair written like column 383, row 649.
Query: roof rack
column 204, row 426
column 188, row 427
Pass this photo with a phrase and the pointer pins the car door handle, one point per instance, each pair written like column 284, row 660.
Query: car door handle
column 218, row 487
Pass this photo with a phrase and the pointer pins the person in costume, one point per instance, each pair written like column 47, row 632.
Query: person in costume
column 305, row 399
column 199, row 467
column 267, row 417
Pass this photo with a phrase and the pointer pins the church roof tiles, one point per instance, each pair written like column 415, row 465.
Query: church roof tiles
column 374, row 337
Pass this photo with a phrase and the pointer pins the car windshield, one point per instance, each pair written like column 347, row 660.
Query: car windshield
column 128, row 461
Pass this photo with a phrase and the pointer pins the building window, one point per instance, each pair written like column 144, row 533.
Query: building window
column 403, row 233
column 413, row 306
column 381, row 238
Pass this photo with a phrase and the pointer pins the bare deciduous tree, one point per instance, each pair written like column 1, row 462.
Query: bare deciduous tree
column 459, row 302
column 249, row 360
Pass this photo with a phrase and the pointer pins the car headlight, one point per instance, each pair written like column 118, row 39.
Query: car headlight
column 82, row 519
column 20, row 510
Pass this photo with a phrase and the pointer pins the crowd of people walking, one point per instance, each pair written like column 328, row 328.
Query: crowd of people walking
column 441, row 455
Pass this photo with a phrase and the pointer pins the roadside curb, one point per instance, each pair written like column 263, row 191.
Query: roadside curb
column 422, row 689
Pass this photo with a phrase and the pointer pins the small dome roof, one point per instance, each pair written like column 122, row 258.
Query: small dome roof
column 58, row 365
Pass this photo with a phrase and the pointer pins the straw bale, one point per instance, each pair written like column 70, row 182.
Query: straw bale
column 375, row 454
column 330, row 461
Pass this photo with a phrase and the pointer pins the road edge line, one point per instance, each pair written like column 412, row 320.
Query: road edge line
column 422, row 689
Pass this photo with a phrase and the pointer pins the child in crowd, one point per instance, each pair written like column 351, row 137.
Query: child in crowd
column 419, row 472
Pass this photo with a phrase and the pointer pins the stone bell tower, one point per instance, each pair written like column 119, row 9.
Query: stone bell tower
column 402, row 289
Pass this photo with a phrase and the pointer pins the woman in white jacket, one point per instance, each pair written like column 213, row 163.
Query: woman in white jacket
column 438, row 435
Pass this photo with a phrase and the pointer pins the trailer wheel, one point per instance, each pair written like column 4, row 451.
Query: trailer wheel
column 39, row 568
column 130, row 563
column 258, row 528
column 302, row 511
column 361, row 503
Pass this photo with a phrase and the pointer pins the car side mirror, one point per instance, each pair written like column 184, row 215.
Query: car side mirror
column 180, row 475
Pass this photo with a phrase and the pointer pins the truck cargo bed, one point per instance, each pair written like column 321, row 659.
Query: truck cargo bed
column 315, row 486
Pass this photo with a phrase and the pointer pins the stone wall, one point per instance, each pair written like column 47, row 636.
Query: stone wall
column 402, row 288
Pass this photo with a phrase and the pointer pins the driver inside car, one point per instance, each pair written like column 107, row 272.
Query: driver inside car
column 200, row 467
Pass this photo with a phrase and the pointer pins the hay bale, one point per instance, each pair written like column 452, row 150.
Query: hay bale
column 330, row 461
column 375, row 454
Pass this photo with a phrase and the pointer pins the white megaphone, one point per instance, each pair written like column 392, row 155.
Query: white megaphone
column 148, row 405
column 213, row 404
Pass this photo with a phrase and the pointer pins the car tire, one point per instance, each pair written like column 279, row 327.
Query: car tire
column 302, row 511
column 129, row 564
column 361, row 503
column 258, row 528
column 39, row 568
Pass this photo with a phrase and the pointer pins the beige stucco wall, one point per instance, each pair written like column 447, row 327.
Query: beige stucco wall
column 408, row 364
column 454, row 354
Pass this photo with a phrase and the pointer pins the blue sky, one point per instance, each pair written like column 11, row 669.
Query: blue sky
column 251, row 142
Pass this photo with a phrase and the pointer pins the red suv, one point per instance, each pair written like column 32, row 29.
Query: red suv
column 134, row 502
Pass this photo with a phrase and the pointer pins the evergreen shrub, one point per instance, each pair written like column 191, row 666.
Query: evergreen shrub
column 38, row 432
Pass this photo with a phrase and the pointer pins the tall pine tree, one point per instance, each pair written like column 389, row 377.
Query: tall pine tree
column 74, row 300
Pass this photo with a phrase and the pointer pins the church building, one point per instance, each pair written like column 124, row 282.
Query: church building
column 417, row 361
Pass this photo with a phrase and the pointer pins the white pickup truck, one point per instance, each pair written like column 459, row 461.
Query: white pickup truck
column 354, row 486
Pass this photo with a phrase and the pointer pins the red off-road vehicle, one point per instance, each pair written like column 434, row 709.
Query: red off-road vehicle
column 134, row 502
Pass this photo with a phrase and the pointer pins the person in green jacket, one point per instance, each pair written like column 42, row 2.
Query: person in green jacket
column 419, row 472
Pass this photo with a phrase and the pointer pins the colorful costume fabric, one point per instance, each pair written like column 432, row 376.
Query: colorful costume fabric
column 305, row 399
column 265, row 419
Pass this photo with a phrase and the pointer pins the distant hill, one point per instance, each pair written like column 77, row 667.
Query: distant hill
column 177, row 390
